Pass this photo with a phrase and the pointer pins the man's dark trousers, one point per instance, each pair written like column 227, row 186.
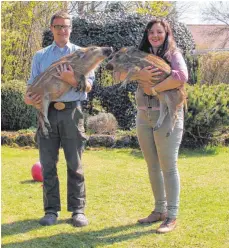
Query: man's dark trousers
column 67, row 131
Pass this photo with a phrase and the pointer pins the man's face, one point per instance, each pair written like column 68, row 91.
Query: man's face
column 61, row 29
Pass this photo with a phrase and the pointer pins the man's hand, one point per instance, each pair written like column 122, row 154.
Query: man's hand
column 34, row 99
column 66, row 74
column 88, row 87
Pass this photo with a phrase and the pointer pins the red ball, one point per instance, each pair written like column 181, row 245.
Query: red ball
column 36, row 172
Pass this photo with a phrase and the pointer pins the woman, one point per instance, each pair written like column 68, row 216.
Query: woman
column 160, row 152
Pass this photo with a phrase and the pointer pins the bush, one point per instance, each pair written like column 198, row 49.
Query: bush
column 207, row 119
column 127, row 141
column 101, row 140
column 103, row 123
column 120, row 102
column 213, row 68
column 16, row 114
column 21, row 138
column 25, row 140
column 192, row 65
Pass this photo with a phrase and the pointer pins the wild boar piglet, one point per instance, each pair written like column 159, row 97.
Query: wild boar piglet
column 128, row 61
column 50, row 87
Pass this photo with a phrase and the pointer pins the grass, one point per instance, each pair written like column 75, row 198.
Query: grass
column 118, row 193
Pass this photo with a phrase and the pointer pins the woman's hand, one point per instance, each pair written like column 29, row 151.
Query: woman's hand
column 66, row 74
column 147, row 91
column 149, row 74
column 147, row 87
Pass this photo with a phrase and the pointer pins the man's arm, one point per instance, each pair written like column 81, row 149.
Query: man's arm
column 90, row 81
column 34, row 99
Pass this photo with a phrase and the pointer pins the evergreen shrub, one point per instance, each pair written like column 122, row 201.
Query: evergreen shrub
column 207, row 119
column 15, row 114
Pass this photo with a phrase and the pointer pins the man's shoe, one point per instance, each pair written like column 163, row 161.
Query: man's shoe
column 79, row 220
column 49, row 219
column 153, row 217
column 168, row 225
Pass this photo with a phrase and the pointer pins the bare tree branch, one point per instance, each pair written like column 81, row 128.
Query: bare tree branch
column 217, row 12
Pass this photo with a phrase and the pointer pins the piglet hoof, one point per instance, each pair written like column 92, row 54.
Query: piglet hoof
column 49, row 129
column 156, row 127
column 44, row 133
column 82, row 86
column 79, row 87
column 46, row 136
column 168, row 134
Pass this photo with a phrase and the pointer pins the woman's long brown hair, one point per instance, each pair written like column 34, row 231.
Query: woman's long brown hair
column 167, row 47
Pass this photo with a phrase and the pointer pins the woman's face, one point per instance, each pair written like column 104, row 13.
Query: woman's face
column 156, row 35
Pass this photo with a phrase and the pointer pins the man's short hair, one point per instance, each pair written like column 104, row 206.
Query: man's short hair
column 60, row 14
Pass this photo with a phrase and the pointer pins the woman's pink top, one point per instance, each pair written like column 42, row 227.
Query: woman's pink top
column 179, row 67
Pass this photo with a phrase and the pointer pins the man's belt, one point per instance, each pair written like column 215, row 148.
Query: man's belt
column 65, row 105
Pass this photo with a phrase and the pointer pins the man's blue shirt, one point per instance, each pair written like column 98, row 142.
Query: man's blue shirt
column 50, row 54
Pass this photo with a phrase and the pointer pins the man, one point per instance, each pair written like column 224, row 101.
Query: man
column 67, row 128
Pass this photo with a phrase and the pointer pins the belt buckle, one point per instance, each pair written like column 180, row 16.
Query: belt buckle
column 59, row 105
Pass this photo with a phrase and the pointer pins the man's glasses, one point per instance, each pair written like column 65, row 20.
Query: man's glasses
column 59, row 27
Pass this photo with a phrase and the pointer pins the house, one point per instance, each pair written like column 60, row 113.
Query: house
column 210, row 37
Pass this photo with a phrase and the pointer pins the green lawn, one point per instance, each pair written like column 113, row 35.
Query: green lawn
column 118, row 193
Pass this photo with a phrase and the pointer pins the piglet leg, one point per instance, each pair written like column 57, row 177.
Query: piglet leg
column 163, row 111
column 43, row 117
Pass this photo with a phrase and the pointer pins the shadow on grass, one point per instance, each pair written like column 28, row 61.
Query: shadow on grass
column 103, row 237
column 29, row 182
column 184, row 152
column 23, row 226
column 208, row 151
column 134, row 152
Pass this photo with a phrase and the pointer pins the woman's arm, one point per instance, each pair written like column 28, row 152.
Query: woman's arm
column 179, row 74
column 168, row 84
column 177, row 78
column 29, row 98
